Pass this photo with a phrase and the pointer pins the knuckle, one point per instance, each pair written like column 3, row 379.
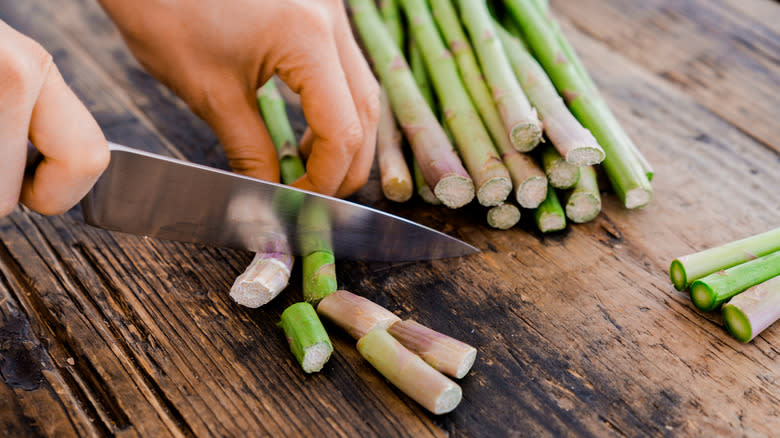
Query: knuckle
column 352, row 136
column 316, row 20
column 23, row 68
column 369, row 105
column 96, row 160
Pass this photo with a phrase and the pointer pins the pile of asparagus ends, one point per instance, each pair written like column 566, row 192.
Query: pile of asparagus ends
column 742, row 278
column 502, row 112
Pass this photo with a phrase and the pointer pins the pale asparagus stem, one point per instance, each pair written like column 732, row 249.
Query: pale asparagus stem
column 355, row 314
column 684, row 270
column 549, row 215
column 266, row 276
column 390, row 13
column 444, row 353
column 425, row 192
column 520, row 119
column 709, row 292
column 528, row 180
column 583, row 203
column 307, row 337
column 503, row 216
column 397, row 182
column 441, row 167
column 489, row 173
column 560, row 173
column 754, row 310
column 404, row 369
column 572, row 141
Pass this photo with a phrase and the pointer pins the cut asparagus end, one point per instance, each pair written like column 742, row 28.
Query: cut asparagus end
column 319, row 276
column 752, row 311
column 550, row 221
column 532, row 192
column 494, row 191
column 355, row 314
column 307, row 337
column 638, row 197
column 454, row 190
column 585, row 156
column 583, row 207
column 397, row 189
column 423, row 190
column 737, row 323
column 703, row 296
column 444, row 353
column 677, row 275
column 265, row 277
column 503, row 216
column 526, row 136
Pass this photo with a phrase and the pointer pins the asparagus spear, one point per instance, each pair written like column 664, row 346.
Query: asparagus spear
column 396, row 179
column 584, row 201
column 503, row 216
column 684, row 270
column 749, row 313
column 417, row 65
column 355, row 314
column 391, row 18
column 446, row 354
column 409, row 373
column 441, row 167
column 549, row 215
column 479, row 155
column 272, row 108
column 560, row 173
column 423, row 190
column 713, row 290
column 306, row 336
column 624, row 170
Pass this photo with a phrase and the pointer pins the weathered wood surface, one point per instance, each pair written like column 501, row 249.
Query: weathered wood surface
column 578, row 333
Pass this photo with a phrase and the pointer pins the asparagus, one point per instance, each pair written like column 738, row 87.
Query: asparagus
column 520, row 119
column 479, row 155
column 749, row 313
column 409, row 373
column 266, row 276
column 713, row 290
column 503, row 216
column 417, row 65
column 423, row 190
column 355, row 314
column 560, row 173
column 396, row 179
column 447, row 355
column 584, row 201
column 549, row 215
column 440, row 166
column 306, row 336
column 319, row 276
column 391, row 18
column 572, row 141
column 624, row 170
column 528, row 179
column 272, row 108
column 684, row 270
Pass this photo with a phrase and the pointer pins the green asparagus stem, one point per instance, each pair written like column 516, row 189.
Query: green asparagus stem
column 355, row 314
column 396, row 179
column 319, row 276
column 441, row 167
column 479, row 155
column 404, row 369
column 684, row 270
column 520, row 119
column 713, row 290
column 749, row 313
column 503, row 216
column 625, row 172
column 549, row 215
column 272, row 108
column 446, row 354
column 417, row 65
column 391, row 17
column 584, row 201
column 307, row 337
column 560, row 173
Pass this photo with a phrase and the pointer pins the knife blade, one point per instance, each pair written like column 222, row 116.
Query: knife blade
column 157, row 196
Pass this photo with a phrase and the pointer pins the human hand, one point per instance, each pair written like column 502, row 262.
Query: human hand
column 37, row 105
column 215, row 55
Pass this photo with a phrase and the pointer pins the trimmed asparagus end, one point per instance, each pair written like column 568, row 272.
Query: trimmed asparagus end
column 409, row 373
column 454, row 190
column 677, row 275
column 703, row 296
column 503, row 216
column 494, row 191
column 266, row 276
column 737, row 323
column 307, row 337
column 583, row 207
column 446, row 354
column 355, row 314
column 752, row 311
column 585, row 156
column 560, row 173
column 638, row 197
column 532, row 192
column 549, row 215
column 526, row 136
column 319, row 276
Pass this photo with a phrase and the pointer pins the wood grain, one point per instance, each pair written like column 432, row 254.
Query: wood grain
column 579, row 333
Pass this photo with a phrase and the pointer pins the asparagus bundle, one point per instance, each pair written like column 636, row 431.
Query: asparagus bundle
column 711, row 291
column 749, row 313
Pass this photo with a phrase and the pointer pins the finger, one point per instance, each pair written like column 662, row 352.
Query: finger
column 304, row 147
column 15, row 115
column 74, row 150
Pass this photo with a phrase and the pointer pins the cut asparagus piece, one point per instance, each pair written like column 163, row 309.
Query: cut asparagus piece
column 713, row 290
column 490, row 176
column 549, row 215
column 503, row 216
column 560, row 173
column 423, row 384
column 266, row 276
column 441, row 167
column 307, row 337
column 444, row 353
column 396, row 179
column 319, row 276
column 749, row 313
column 520, row 119
column 272, row 108
column 422, row 188
column 684, row 270
column 355, row 314
column 584, row 201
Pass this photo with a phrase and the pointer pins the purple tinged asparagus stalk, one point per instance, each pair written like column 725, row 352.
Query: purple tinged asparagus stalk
column 444, row 353
column 751, row 312
column 354, row 314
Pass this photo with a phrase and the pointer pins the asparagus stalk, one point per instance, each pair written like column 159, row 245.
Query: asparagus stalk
column 319, row 276
column 684, row 270
column 446, row 354
column 396, row 179
column 355, row 314
column 520, row 119
column 391, row 18
column 272, row 108
column 423, row 190
column 560, row 173
column 503, row 216
column 713, row 290
column 528, row 179
column 624, row 170
column 441, row 167
column 749, row 313
column 479, row 155
column 306, row 336
column 584, row 201
column 417, row 65
column 409, row 373
column 549, row 215
column 572, row 141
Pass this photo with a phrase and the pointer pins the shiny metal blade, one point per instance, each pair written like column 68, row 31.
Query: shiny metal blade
column 156, row 196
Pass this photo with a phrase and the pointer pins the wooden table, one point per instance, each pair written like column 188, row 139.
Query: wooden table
column 579, row 333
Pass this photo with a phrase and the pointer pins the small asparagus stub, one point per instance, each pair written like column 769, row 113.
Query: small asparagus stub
column 423, row 191
column 307, row 337
column 266, row 276
column 446, row 354
column 529, row 179
column 684, row 270
column 319, row 276
column 713, row 290
column 409, row 373
column 503, row 216
column 396, row 179
column 355, row 314
column 561, row 173
column 583, row 203
column 549, row 215
column 440, row 165
column 272, row 108
column 751, row 312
